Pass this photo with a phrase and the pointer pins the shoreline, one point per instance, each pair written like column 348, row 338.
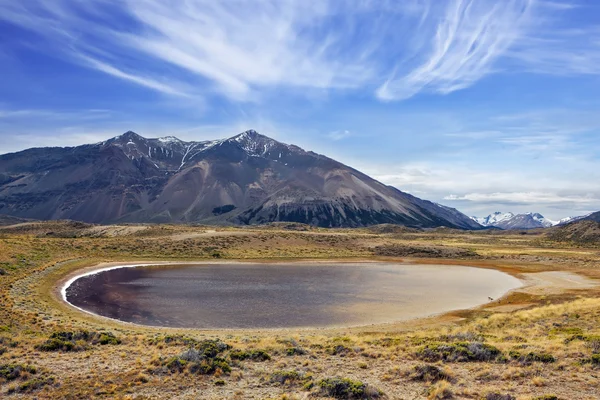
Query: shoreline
column 69, row 279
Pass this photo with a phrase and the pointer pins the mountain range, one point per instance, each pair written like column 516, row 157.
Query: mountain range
column 246, row 179
column 530, row 220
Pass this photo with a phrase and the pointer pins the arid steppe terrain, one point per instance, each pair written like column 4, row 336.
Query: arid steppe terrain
column 541, row 341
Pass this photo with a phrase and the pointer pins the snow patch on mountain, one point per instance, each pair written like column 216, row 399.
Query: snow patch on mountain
column 509, row 220
column 493, row 219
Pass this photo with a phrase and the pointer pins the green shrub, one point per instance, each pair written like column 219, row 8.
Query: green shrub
column 295, row 351
column 345, row 388
column 11, row 372
column 31, row 385
column 54, row 344
column 108, row 338
column 254, row 355
column 595, row 359
column 210, row 366
column 459, row 352
column 202, row 359
column 72, row 341
column 339, row 350
column 499, row 396
column 531, row 357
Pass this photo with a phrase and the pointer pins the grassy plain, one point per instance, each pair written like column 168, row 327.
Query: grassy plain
column 542, row 342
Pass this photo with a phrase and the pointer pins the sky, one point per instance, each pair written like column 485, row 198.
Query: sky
column 481, row 105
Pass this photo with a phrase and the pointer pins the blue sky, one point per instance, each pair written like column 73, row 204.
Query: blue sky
column 481, row 105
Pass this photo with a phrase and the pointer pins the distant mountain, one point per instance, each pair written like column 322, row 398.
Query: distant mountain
column 515, row 221
column 246, row 179
column 590, row 216
column 493, row 219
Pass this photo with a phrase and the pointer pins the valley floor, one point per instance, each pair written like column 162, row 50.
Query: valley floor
column 539, row 342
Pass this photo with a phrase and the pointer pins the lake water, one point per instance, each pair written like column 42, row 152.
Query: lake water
column 284, row 295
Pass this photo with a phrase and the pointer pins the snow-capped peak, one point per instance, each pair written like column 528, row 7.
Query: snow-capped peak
column 168, row 139
column 542, row 220
column 516, row 221
column 493, row 219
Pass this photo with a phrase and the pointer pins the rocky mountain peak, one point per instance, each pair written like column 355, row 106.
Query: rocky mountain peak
column 248, row 178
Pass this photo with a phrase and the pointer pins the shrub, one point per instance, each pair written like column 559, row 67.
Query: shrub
column 72, row 341
column 108, row 338
column 254, row 355
column 498, row 396
column 295, row 351
column 11, row 372
column 202, row 359
column 531, row 357
column 345, row 388
column 31, row 385
column 546, row 397
column 339, row 350
column 210, row 366
column 459, row 352
column 594, row 359
column 54, row 344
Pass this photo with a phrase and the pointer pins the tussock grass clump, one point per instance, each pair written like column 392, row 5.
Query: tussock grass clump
column 77, row 341
column 459, row 352
column 429, row 373
column 345, row 388
column 339, row 350
column 440, row 391
column 254, row 355
column 291, row 377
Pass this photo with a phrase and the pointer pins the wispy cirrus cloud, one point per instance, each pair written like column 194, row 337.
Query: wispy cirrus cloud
column 463, row 43
column 527, row 198
column 241, row 48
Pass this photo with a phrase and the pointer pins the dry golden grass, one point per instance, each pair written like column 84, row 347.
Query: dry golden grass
column 562, row 325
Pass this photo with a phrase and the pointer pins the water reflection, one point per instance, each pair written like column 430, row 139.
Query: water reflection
column 284, row 295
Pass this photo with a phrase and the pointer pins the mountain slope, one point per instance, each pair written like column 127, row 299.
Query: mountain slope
column 246, row 179
column 581, row 232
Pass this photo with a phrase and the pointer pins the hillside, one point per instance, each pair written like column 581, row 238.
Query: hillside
column 247, row 179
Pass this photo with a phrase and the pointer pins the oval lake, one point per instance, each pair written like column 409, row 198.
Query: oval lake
column 239, row 296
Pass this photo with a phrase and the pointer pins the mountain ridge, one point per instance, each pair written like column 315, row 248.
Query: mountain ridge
column 248, row 178
column 530, row 220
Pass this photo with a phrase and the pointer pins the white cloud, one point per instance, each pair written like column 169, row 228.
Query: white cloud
column 537, row 198
column 242, row 48
column 140, row 80
column 462, row 47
